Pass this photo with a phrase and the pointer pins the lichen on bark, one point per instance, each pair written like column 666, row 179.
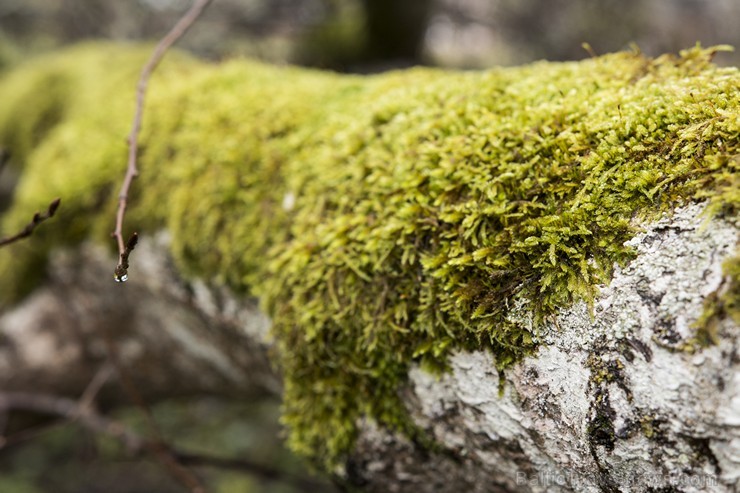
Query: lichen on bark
column 384, row 220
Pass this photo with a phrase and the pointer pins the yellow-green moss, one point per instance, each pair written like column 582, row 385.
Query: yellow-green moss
column 719, row 305
column 382, row 220
column 64, row 119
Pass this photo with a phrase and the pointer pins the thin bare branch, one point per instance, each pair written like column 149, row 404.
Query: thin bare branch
column 96, row 384
column 157, row 446
column 37, row 219
column 133, row 139
column 70, row 409
column 136, row 445
column 86, row 416
column 121, row 272
column 86, row 401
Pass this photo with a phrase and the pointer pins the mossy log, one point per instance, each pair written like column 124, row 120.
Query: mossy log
column 524, row 277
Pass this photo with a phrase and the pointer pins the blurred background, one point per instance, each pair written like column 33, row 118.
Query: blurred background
column 373, row 35
column 344, row 35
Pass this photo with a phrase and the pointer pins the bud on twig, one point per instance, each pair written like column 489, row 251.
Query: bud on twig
column 121, row 272
column 37, row 219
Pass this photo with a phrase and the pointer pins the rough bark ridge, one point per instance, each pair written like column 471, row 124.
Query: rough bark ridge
column 611, row 402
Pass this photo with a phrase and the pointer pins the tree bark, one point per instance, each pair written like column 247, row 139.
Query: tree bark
column 175, row 338
column 616, row 399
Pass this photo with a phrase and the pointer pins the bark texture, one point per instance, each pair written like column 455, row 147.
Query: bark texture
column 613, row 400
column 175, row 338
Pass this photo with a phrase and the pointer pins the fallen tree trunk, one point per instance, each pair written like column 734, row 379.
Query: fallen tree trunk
column 474, row 281
column 615, row 400
column 175, row 338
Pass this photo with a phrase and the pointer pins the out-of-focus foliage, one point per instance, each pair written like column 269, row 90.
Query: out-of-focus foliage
column 69, row 459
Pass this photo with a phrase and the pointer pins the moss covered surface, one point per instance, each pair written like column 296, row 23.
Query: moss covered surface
column 382, row 220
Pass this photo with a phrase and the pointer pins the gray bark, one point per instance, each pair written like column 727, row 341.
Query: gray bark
column 174, row 338
column 609, row 404
column 611, row 401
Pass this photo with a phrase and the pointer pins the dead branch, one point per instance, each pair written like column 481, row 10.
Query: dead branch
column 96, row 384
column 70, row 410
column 136, row 445
column 37, row 219
column 160, row 451
column 133, row 139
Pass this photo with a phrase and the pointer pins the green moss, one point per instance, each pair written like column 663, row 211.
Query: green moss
column 382, row 220
column 649, row 426
column 65, row 124
column 720, row 304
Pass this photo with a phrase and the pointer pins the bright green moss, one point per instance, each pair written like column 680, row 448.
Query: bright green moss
column 382, row 220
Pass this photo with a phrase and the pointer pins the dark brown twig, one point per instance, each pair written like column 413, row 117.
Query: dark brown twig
column 121, row 272
column 38, row 218
column 133, row 139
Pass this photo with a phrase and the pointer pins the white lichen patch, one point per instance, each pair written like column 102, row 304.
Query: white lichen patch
column 617, row 398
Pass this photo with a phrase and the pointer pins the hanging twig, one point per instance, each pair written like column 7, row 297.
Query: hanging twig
column 132, row 171
column 160, row 451
column 121, row 272
column 38, row 218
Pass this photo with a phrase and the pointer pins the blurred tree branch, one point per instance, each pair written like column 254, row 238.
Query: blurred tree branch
column 82, row 412
column 37, row 219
